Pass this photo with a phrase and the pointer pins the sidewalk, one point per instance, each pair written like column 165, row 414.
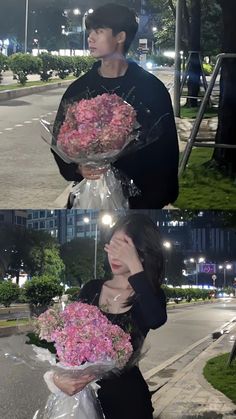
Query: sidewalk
column 189, row 396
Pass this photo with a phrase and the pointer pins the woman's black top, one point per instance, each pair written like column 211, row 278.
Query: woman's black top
column 126, row 396
column 154, row 167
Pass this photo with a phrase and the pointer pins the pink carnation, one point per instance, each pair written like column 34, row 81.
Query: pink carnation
column 82, row 333
column 98, row 125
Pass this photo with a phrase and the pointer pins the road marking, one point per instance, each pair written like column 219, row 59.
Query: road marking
column 8, row 129
column 27, row 122
column 49, row 113
column 19, row 125
column 35, row 119
column 1, row 133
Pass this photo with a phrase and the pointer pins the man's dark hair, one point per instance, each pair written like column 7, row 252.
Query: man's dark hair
column 116, row 17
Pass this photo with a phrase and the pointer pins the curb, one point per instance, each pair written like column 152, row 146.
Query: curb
column 192, row 304
column 25, row 91
column 15, row 330
column 222, row 331
column 162, row 401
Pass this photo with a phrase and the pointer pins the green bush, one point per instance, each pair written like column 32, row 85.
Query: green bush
column 23, row 64
column 40, row 292
column 9, row 293
column 73, row 293
column 22, row 297
column 188, row 294
column 64, row 66
column 82, row 65
column 49, row 64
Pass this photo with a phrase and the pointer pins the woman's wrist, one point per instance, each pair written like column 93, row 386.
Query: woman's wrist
column 136, row 267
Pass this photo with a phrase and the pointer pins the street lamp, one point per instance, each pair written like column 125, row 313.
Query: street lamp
column 106, row 220
column 76, row 12
column 226, row 267
column 167, row 246
column 83, row 26
column 197, row 261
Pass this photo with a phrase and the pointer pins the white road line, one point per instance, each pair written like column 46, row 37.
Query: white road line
column 49, row 113
column 19, row 125
column 27, row 122
column 1, row 133
column 35, row 119
column 8, row 129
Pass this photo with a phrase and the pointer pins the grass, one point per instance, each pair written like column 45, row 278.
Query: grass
column 8, row 323
column 221, row 377
column 192, row 112
column 33, row 83
column 201, row 187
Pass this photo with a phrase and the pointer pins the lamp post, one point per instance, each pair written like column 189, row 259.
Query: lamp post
column 106, row 220
column 226, row 267
column 197, row 261
column 167, row 246
column 83, row 27
column 26, row 23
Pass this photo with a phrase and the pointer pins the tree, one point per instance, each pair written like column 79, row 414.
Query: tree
column 9, row 293
column 40, row 292
column 78, row 257
column 21, row 248
column 225, row 159
column 47, row 261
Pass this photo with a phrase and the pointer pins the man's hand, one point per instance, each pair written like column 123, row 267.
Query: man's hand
column 72, row 386
column 91, row 173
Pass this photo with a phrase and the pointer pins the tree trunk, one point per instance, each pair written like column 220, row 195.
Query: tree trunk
column 226, row 131
column 194, row 72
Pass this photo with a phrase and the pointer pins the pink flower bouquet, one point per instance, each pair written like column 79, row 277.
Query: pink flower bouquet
column 86, row 342
column 97, row 129
column 94, row 133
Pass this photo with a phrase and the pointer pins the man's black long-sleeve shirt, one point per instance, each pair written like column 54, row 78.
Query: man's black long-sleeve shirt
column 153, row 168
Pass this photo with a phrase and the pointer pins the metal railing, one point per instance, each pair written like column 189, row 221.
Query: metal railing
column 195, row 129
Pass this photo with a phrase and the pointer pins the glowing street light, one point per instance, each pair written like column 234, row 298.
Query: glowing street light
column 197, row 261
column 77, row 12
column 167, row 245
column 107, row 220
column 226, row 267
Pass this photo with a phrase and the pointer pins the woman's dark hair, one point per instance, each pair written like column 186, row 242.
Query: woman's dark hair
column 147, row 240
column 116, row 17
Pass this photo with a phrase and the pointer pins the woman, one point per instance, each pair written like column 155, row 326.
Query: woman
column 134, row 300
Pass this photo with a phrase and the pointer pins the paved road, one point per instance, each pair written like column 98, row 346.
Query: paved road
column 29, row 176
column 22, row 390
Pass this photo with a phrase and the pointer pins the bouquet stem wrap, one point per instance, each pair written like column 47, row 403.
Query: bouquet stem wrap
column 105, row 192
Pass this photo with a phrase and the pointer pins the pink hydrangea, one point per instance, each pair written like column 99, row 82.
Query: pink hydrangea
column 98, row 125
column 82, row 333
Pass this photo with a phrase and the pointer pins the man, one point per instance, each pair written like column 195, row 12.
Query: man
column 153, row 167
